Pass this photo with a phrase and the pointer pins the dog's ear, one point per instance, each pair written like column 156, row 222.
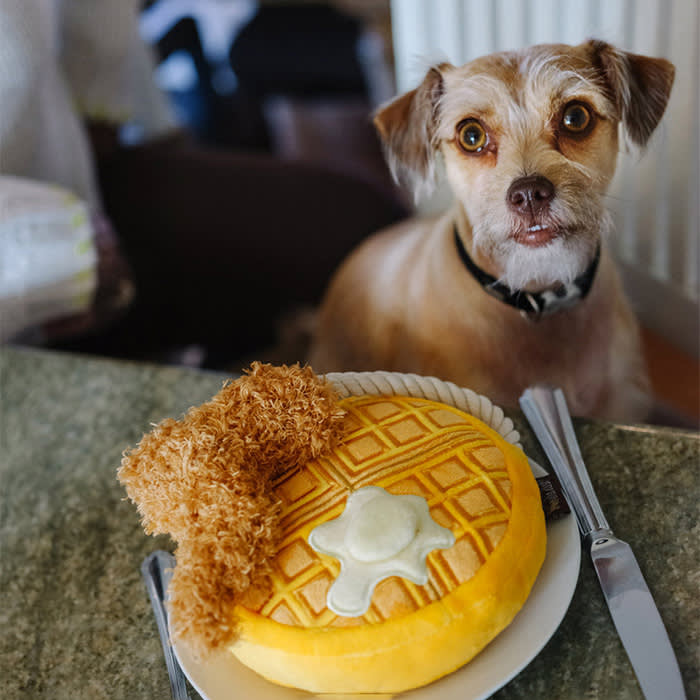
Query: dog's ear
column 407, row 127
column 640, row 87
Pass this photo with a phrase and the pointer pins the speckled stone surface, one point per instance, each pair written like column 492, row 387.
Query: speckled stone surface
column 75, row 622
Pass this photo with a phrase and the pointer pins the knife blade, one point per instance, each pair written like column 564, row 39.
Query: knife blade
column 632, row 608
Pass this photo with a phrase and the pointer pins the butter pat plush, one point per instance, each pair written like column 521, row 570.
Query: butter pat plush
column 378, row 535
column 475, row 484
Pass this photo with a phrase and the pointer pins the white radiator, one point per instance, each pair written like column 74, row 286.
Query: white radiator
column 654, row 197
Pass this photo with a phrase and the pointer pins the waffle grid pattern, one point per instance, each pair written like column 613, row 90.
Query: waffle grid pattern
column 462, row 475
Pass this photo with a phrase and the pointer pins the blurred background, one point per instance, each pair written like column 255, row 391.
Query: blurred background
column 180, row 178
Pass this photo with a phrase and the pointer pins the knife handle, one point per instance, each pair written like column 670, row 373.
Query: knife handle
column 548, row 414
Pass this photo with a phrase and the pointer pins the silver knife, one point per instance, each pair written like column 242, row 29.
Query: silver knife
column 631, row 605
column 157, row 570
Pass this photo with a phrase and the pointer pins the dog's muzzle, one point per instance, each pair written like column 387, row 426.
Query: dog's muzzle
column 530, row 198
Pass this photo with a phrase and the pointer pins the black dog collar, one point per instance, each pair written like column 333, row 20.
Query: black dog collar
column 532, row 305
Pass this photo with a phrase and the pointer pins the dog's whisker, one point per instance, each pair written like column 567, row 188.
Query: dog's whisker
column 616, row 198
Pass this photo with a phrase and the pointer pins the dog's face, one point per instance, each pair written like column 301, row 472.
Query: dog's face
column 529, row 141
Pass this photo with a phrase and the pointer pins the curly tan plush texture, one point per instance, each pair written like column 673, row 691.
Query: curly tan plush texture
column 206, row 480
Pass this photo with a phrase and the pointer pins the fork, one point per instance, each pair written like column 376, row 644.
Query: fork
column 157, row 570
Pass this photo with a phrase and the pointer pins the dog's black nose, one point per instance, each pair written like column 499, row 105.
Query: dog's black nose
column 531, row 194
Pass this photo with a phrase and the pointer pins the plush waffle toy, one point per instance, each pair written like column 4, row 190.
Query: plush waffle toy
column 401, row 535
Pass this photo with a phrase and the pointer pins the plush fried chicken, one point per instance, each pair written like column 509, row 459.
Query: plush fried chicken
column 205, row 480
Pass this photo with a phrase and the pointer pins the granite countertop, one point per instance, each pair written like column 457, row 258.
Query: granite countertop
column 75, row 621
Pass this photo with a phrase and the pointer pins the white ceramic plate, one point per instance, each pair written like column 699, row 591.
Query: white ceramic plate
column 224, row 678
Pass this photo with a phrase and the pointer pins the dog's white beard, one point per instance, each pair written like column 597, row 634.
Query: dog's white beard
column 536, row 268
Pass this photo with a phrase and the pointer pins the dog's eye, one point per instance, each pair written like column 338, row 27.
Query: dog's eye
column 472, row 136
column 576, row 118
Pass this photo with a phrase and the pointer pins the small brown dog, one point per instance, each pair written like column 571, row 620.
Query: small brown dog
column 514, row 285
